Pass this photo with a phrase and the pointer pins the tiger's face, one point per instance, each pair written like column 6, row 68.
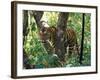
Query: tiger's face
column 44, row 34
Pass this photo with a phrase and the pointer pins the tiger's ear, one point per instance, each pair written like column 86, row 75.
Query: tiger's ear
column 40, row 23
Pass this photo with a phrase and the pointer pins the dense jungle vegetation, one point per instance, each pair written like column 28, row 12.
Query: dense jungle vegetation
column 35, row 54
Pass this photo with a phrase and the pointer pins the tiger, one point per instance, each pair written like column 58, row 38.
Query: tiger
column 68, row 36
column 71, row 43
column 46, row 36
column 65, row 43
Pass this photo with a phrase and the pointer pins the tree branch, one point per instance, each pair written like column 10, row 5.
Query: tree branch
column 37, row 16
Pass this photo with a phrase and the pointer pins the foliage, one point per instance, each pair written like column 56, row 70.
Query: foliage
column 51, row 18
column 37, row 54
column 75, row 22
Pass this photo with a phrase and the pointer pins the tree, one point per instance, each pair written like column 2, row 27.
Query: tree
column 62, row 20
column 25, row 33
column 37, row 16
column 25, row 24
column 59, row 42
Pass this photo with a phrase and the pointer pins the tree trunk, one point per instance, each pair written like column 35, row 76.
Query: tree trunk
column 59, row 43
column 25, row 24
column 25, row 33
column 62, row 20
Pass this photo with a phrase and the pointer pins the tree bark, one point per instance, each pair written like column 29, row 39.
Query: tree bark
column 25, row 33
column 60, row 49
column 62, row 20
column 25, row 23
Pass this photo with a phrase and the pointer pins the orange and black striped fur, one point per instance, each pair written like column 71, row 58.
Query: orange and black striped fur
column 71, row 42
column 48, row 36
column 69, row 36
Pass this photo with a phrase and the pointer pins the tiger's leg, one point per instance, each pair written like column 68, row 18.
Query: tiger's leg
column 77, row 50
column 70, row 52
